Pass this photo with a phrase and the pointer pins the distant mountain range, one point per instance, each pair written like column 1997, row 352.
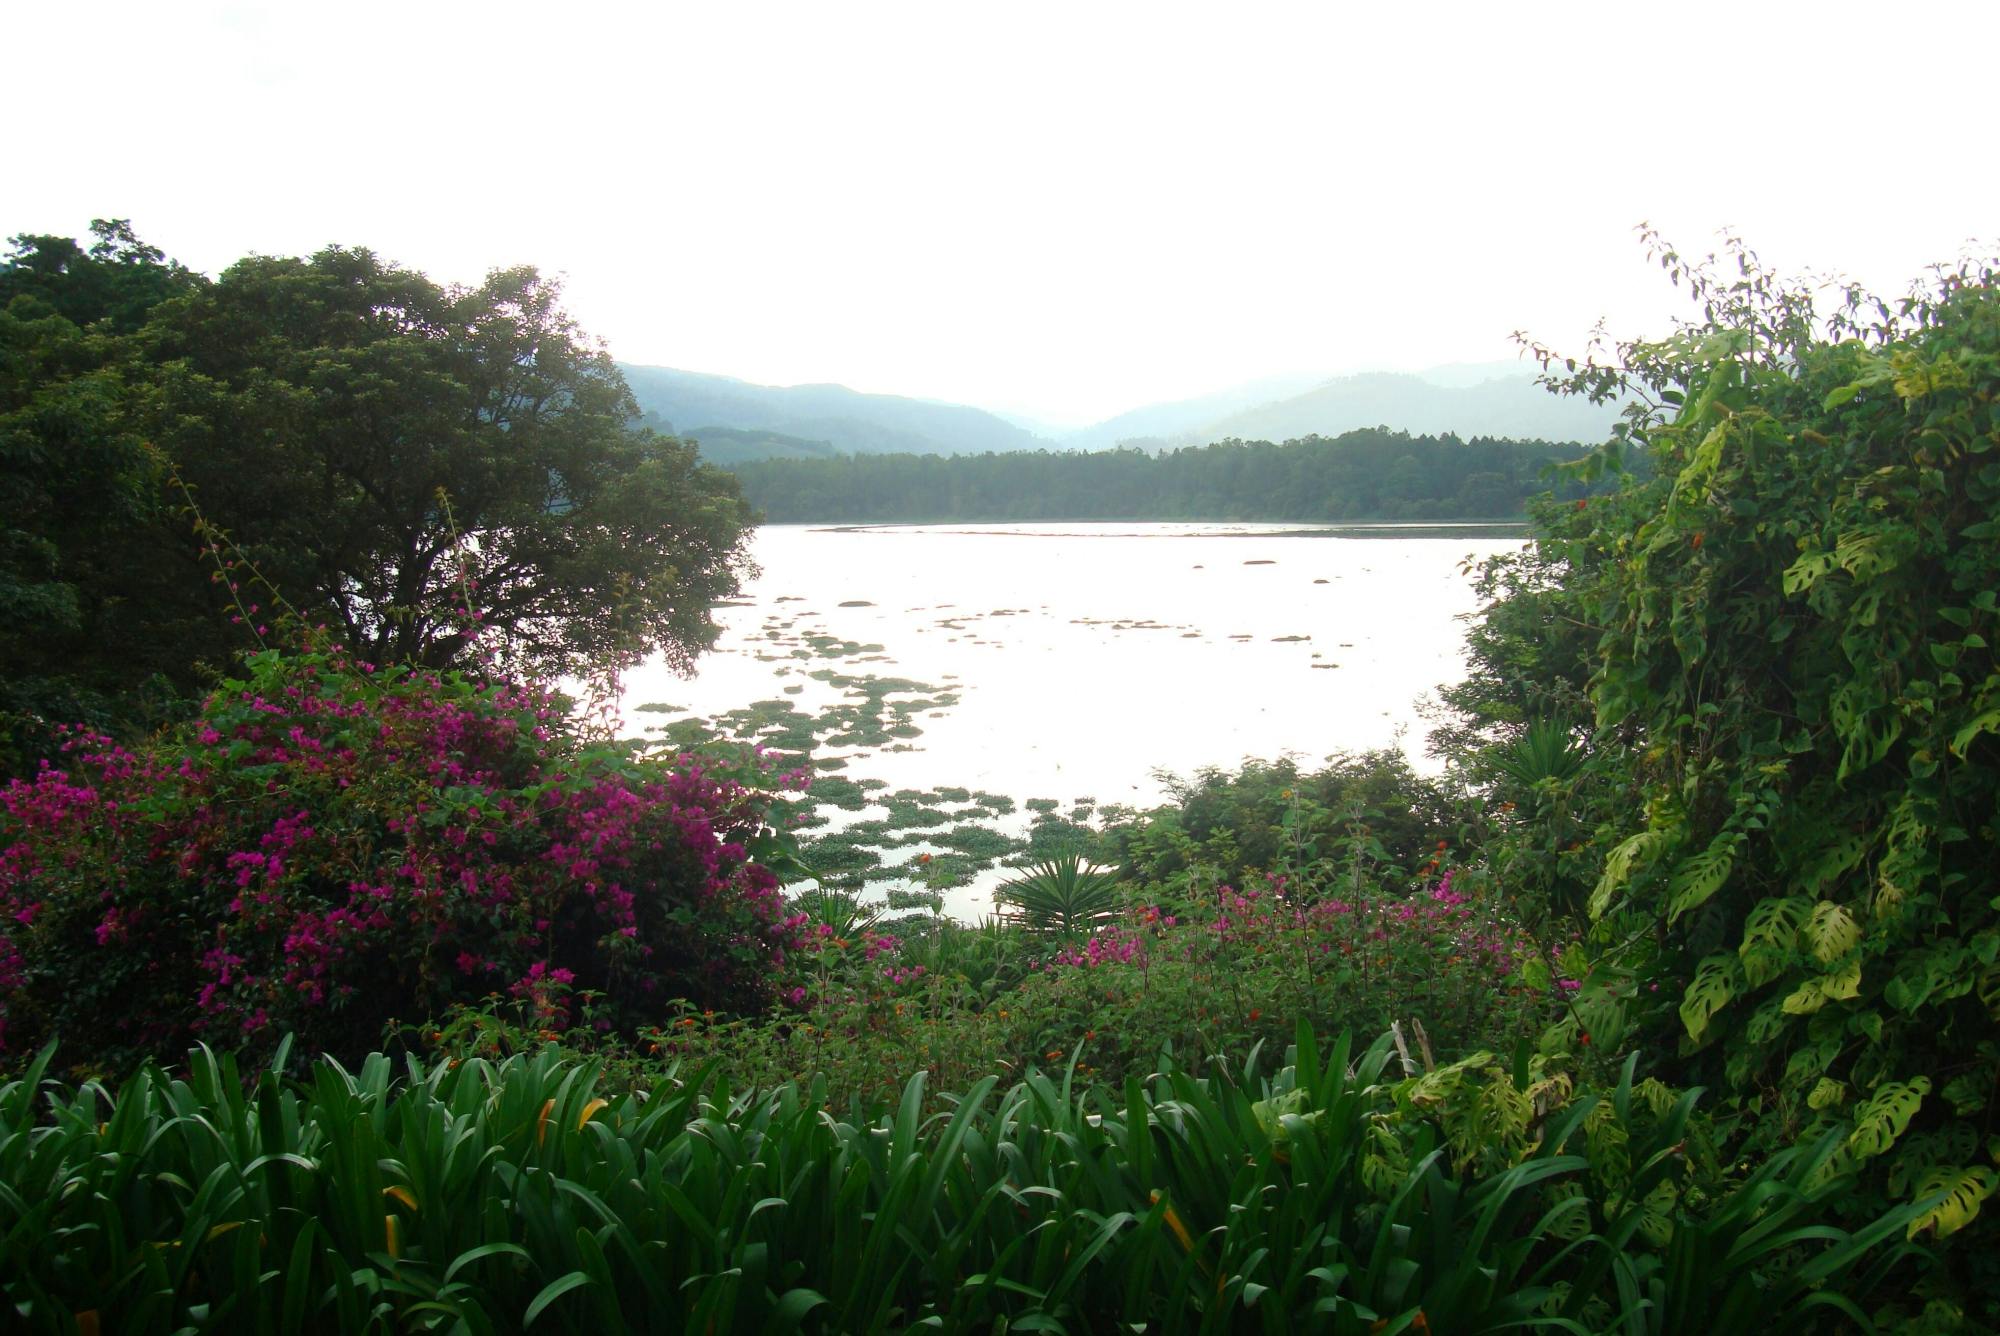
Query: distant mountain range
column 1185, row 417
column 736, row 421
column 798, row 417
column 1510, row 405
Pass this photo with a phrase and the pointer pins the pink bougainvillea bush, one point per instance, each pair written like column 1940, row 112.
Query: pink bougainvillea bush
column 329, row 848
column 1249, row 964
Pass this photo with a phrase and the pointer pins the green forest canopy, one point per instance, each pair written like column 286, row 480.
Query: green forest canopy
column 1375, row 474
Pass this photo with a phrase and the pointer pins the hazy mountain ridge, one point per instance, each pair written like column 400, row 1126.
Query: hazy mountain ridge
column 1511, row 406
column 749, row 421
column 848, row 420
column 1185, row 417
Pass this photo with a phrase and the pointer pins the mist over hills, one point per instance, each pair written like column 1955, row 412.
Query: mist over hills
column 1185, row 417
column 737, row 421
column 848, row 421
column 1466, row 399
column 1511, row 406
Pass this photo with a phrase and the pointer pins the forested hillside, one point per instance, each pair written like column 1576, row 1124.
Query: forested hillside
column 729, row 446
column 849, row 419
column 1374, row 474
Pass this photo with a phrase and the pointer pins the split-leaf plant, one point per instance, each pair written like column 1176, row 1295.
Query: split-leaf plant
column 1795, row 607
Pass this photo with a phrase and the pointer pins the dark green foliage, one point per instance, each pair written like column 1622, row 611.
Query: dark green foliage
column 1367, row 818
column 528, row 1192
column 104, row 622
column 110, row 288
column 392, row 454
column 1373, row 474
column 1794, row 764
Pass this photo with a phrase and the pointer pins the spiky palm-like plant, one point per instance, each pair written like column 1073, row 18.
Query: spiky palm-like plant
column 839, row 910
column 1064, row 896
column 1544, row 751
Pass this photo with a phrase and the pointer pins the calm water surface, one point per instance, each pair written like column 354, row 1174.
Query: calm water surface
column 1088, row 657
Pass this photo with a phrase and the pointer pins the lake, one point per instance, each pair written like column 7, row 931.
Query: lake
column 1070, row 664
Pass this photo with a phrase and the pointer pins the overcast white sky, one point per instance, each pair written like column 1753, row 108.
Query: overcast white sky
column 1065, row 210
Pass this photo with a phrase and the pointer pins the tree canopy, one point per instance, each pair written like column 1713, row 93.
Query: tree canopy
column 426, row 471
column 102, row 626
column 411, row 462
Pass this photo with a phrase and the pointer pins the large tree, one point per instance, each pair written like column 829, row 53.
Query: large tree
column 408, row 463
column 101, row 625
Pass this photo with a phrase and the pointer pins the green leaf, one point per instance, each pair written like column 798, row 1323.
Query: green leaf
column 482, row 1252
column 1698, row 878
column 1986, row 722
column 551, row 1292
column 1835, row 859
column 1635, row 851
column 1775, row 923
column 1807, row 571
column 1844, row 984
column 1885, row 1114
column 1832, row 931
column 1715, row 982
column 1807, row 998
column 1966, row 1093
column 1963, row 1190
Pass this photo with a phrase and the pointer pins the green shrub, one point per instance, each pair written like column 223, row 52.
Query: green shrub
column 1769, row 653
column 1362, row 819
column 1797, row 613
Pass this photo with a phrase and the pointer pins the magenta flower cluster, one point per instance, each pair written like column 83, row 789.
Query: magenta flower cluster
column 328, row 849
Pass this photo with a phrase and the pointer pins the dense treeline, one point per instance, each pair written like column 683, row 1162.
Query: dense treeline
column 1376, row 474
